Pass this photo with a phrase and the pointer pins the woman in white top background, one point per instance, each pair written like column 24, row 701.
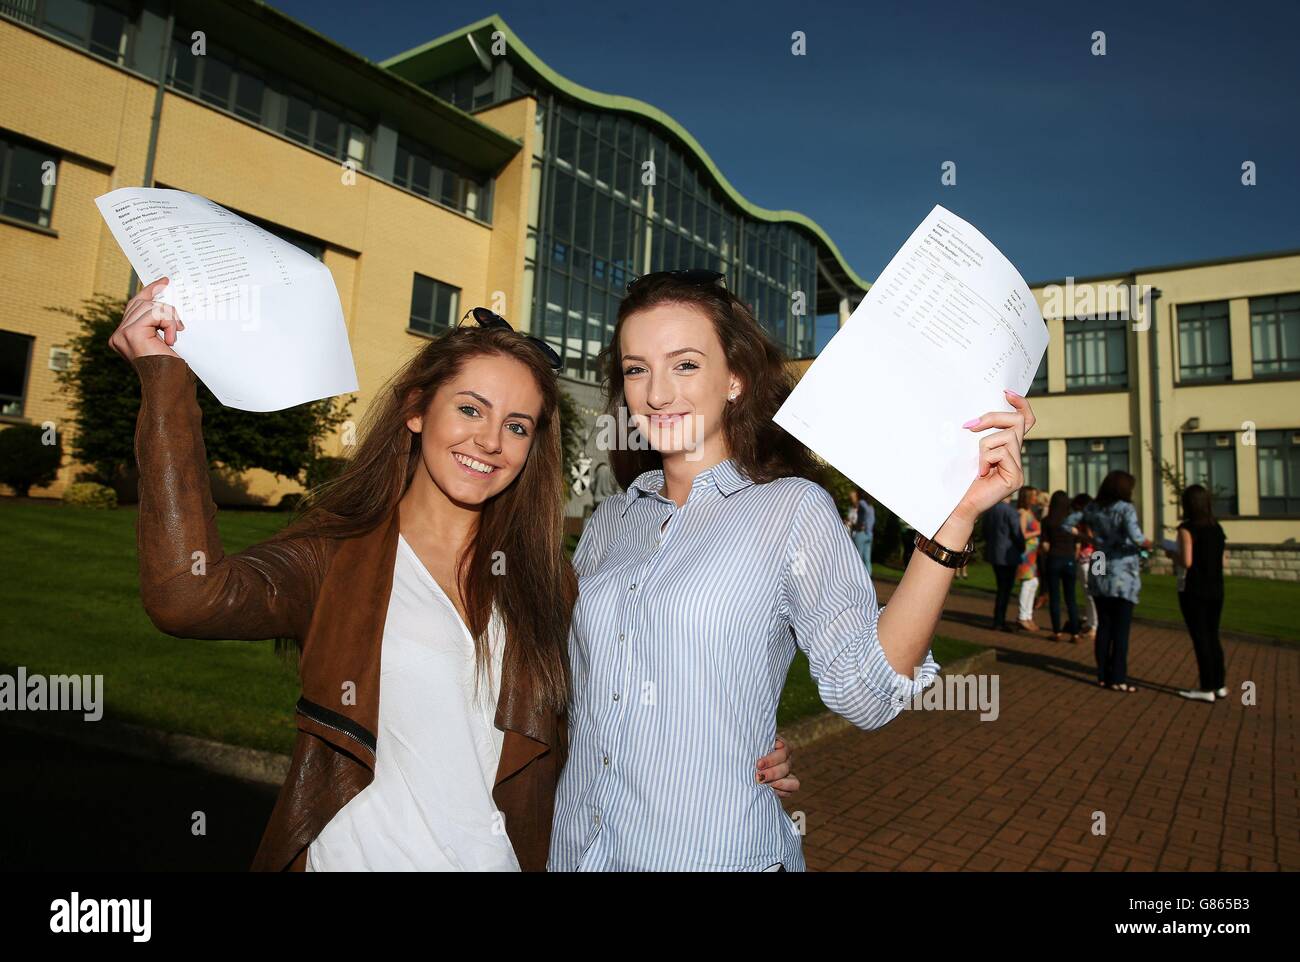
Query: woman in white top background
column 697, row 583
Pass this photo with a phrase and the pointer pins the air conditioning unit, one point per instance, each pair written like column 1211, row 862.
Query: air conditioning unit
column 60, row 358
column 1098, row 446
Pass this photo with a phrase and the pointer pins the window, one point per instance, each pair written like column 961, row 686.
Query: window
column 1033, row 456
column 1089, row 460
column 99, row 27
column 1204, row 348
column 15, row 360
column 1211, row 459
column 23, row 193
column 1275, row 334
column 1279, row 472
column 426, row 172
column 435, row 306
column 233, row 84
column 1095, row 353
column 1039, row 384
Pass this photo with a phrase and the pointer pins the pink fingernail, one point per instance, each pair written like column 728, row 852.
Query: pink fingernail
column 971, row 423
column 1011, row 392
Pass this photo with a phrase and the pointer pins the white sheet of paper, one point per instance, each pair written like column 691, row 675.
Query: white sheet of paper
column 264, row 328
column 947, row 326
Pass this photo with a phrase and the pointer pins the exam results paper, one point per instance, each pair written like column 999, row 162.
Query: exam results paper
column 948, row 325
column 264, row 328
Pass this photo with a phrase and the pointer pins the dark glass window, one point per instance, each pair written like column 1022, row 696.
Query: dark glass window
column 1033, row 457
column 1089, row 460
column 15, row 359
column 1039, row 383
column 326, row 135
column 297, row 118
column 1279, row 472
column 248, row 96
column 216, row 80
column 1204, row 347
column 1210, row 459
column 184, row 67
column 1275, row 334
column 23, row 193
column 434, row 305
column 1096, row 353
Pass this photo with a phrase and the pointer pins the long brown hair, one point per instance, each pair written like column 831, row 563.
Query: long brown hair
column 762, row 449
column 524, row 522
column 1116, row 486
column 1198, row 506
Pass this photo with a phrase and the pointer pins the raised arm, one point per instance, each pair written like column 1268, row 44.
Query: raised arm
column 831, row 605
column 189, row 586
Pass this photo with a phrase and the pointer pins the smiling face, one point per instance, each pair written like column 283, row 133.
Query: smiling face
column 676, row 381
column 478, row 429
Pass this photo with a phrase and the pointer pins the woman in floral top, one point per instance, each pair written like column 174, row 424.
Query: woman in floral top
column 1115, row 576
column 1027, row 570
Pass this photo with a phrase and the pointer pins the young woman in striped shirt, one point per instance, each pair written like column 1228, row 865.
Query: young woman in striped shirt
column 698, row 582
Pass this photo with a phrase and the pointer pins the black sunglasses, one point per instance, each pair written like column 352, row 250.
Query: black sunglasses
column 688, row 275
column 485, row 318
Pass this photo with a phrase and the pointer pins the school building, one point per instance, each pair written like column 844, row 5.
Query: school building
column 468, row 172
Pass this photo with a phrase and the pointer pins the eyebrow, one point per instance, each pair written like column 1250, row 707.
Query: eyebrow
column 680, row 350
column 485, row 401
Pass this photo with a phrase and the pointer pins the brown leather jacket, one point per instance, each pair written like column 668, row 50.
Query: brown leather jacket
column 331, row 596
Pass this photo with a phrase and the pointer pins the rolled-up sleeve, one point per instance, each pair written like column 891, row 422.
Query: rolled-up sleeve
column 831, row 606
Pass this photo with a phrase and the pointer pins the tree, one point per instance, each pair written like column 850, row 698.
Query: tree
column 572, row 431
column 105, row 399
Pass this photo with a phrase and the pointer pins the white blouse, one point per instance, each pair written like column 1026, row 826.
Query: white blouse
column 430, row 805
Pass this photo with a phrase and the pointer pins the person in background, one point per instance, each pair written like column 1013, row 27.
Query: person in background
column 867, row 515
column 1116, row 582
column 909, row 541
column 1059, row 563
column 861, row 522
column 1199, row 559
column 1083, row 558
column 1040, row 512
column 1027, row 570
column 1003, row 544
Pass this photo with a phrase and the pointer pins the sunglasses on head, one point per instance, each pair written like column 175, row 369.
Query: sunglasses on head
column 489, row 319
column 688, row 275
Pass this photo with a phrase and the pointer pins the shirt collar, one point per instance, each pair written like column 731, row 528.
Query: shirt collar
column 726, row 476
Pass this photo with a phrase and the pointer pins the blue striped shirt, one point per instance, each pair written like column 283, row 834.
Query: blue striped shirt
column 680, row 645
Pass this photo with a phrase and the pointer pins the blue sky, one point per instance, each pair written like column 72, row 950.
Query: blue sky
column 1070, row 163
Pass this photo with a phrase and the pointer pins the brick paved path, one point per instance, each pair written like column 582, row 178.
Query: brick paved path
column 1184, row 785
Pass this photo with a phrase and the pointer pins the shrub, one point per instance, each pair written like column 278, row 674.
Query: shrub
column 26, row 461
column 87, row 494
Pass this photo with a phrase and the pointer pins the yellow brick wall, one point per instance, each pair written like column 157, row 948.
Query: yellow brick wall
column 377, row 235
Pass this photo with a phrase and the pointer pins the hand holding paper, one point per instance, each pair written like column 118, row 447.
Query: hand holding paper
column 261, row 321
column 949, row 325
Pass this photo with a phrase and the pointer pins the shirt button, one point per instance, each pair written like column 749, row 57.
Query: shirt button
column 616, row 696
column 621, row 637
column 605, row 759
column 633, row 588
column 595, row 819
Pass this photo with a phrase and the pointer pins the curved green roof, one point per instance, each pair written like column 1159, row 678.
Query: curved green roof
column 443, row 56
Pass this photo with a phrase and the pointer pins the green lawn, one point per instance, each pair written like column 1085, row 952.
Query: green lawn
column 70, row 603
column 799, row 699
column 1250, row 605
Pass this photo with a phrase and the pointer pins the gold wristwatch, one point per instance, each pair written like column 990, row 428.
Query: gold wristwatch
column 944, row 556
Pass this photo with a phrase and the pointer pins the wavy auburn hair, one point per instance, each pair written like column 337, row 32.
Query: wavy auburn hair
column 762, row 449
column 524, row 522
